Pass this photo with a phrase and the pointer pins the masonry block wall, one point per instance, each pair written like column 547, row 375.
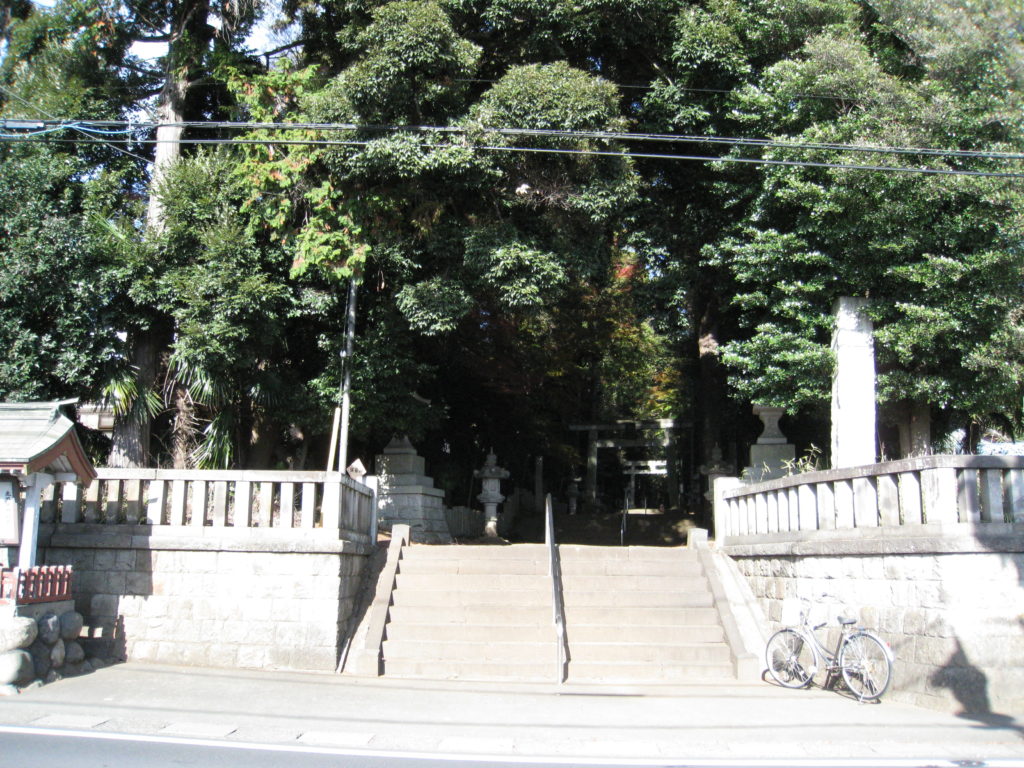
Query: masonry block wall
column 249, row 598
column 951, row 605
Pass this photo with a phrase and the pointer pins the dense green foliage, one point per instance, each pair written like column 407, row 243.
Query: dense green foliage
column 514, row 282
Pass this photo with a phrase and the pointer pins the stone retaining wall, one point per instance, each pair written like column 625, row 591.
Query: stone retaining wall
column 213, row 597
column 948, row 599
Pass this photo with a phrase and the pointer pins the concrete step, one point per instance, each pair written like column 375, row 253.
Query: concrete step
column 621, row 586
column 646, row 633
column 452, row 669
column 460, row 566
column 631, row 672
column 463, row 651
column 452, row 632
column 609, row 554
column 443, row 598
column 491, row 614
column 627, row 585
column 475, row 552
column 662, row 568
column 649, row 653
column 473, row 582
column 616, row 601
column 639, row 616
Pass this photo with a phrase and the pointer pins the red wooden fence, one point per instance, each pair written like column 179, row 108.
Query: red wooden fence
column 41, row 584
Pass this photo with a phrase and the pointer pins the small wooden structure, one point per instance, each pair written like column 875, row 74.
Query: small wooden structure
column 38, row 447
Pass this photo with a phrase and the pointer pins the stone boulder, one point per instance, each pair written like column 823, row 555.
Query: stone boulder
column 73, row 652
column 57, row 654
column 49, row 628
column 17, row 632
column 40, row 653
column 71, row 623
column 16, row 668
column 70, row 669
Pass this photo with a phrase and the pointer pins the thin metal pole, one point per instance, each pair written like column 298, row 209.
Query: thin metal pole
column 346, row 384
column 334, row 434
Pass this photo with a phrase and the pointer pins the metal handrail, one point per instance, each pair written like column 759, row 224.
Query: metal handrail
column 558, row 603
column 624, row 522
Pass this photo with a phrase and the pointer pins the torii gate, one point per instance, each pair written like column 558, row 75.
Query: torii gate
column 667, row 444
column 38, row 447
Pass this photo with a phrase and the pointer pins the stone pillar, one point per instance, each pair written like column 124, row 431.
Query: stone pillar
column 35, row 484
column 573, row 493
column 590, row 479
column 406, row 495
column 538, row 485
column 853, row 386
column 491, row 476
column 10, row 530
column 769, row 455
column 915, row 428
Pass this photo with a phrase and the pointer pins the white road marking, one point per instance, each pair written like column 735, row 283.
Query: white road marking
column 336, row 738
column 70, row 721
column 199, row 730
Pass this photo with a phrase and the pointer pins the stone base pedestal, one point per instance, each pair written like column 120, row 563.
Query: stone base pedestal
column 771, row 453
column 405, row 494
column 768, row 461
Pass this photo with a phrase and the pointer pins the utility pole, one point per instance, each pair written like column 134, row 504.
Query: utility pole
column 339, row 433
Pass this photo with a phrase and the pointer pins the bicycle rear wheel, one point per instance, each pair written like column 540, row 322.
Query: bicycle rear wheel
column 866, row 664
column 791, row 659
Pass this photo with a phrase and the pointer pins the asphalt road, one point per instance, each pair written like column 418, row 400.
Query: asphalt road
column 297, row 717
column 22, row 747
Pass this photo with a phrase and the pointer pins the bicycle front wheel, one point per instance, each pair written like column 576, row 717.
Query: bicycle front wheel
column 866, row 664
column 791, row 659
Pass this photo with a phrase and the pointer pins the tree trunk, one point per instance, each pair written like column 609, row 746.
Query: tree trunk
column 710, row 386
column 189, row 36
column 184, row 429
column 132, row 429
column 263, row 441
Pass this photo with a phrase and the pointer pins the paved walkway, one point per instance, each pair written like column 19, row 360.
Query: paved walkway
column 728, row 721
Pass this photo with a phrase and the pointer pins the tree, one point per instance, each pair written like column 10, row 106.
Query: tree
column 195, row 48
column 60, row 309
column 938, row 256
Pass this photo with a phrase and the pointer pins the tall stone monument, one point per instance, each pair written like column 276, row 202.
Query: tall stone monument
column 771, row 452
column 406, row 495
column 853, row 385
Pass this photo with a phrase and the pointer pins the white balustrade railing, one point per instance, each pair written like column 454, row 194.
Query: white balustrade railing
column 924, row 490
column 326, row 501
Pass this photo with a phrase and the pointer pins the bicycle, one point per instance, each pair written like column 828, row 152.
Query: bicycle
column 861, row 658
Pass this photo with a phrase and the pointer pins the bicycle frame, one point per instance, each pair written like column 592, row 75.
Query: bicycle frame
column 830, row 658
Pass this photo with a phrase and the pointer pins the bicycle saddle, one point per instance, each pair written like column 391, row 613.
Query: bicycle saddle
column 845, row 620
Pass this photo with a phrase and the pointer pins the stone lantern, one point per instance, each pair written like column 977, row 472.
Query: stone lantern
column 491, row 476
column 715, row 469
column 573, row 493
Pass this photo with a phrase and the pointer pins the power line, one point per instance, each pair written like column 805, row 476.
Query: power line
column 119, row 126
column 541, row 150
column 30, row 105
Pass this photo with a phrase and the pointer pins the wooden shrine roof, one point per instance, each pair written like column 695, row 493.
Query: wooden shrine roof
column 38, row 437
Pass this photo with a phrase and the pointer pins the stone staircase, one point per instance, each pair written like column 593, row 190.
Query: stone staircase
column 472, row 613
column 633, row 614
column 641, row 614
